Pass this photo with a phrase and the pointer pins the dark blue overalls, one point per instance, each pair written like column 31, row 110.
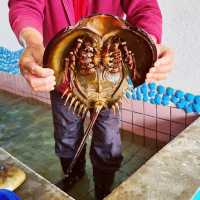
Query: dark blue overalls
column 105, row 152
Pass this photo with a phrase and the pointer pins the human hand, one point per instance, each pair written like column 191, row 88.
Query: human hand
column 39, row 78
column 162, row 66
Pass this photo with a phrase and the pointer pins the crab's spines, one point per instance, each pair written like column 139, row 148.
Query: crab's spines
column 72, row 101
column 68, row 96
column 117, row 107
column 114, row 109
column 80, row 109
column 64, row 93
column 76, row 105
column 84, row 111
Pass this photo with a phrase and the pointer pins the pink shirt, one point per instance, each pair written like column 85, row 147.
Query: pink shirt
column 50, row 16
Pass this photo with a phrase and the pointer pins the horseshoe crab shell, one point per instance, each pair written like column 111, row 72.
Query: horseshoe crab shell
column 94, row 89
column 137, row 40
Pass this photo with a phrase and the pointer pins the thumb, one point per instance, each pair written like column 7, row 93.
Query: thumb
column 37, row 53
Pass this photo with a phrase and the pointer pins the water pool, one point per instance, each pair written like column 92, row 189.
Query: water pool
column 26, row 132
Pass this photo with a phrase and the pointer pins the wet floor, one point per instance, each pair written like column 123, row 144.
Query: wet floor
column 26, row 132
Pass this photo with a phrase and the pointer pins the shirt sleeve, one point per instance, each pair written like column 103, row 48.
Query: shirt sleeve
column 29, row 13
column 145, row 14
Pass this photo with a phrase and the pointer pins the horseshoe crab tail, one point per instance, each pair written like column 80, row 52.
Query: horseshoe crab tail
column 94, row 115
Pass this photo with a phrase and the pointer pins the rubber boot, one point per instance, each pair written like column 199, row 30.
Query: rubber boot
column 103, row 183
column 77, row 173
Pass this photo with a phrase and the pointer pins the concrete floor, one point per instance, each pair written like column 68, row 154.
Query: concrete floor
column 26, row 132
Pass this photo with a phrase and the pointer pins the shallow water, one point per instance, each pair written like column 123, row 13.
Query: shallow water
column 26, row 132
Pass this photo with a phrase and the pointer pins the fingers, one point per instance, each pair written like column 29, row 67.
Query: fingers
column 161, row 69
column 39, row 78
column 40, row 84
column 162, row 66
column 157, row 74
column 28, row 64
column 37, row 53
column 155, row 77
column 34, row 69
column 165, row 57
column 31, row 60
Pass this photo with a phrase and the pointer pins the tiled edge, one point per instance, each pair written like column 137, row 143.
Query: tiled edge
column 172, row 173
column 190, row 118
column 127, row 104
column 139, row 115
column 178, row 115
column 163, row 112
column 166, row 121
column 17, row 84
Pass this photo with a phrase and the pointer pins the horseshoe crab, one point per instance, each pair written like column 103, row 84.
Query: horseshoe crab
column 95, row 58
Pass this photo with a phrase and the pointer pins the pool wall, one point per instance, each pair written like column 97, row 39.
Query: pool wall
column 151, row 111
column 158, row 122
column 15, row 83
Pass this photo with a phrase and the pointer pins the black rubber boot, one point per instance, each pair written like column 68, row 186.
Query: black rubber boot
column 103, row 183
column 77, row 173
